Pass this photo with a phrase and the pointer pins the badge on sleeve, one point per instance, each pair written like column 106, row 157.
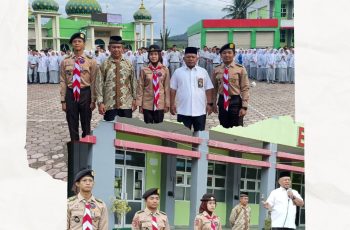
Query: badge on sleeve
column 76, row 219
column 92, row 205
column 159, row 74
column 200, row 82
column 81, row 60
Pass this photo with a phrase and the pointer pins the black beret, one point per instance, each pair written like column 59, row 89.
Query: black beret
column 228, row 46
column 208, row 197
column 150, row 192
column 82, row 173
column 154, row 48
column 115, row 40
column 77, row 35
column 243, row 194
column 284, row 174
column 191, row 50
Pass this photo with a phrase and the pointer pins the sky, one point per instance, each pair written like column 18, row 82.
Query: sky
column 180, row 14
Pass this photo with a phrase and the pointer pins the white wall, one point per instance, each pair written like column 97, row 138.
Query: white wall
column 195, row 40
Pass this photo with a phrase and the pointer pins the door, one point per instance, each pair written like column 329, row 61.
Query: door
column 129, row 186
column 217, row 38
column 242, row 39
column 264, row 39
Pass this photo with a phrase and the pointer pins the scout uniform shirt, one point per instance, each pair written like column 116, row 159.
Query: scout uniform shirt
column 143, row 220
column 204, row 222
column 88, row 70
column 75, row 212
column 240, row 217
column 116, row 84
column 238, row 82
column 145, row 93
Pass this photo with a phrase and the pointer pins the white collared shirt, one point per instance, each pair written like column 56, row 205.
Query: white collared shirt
column 190, row 86
column 283, row 209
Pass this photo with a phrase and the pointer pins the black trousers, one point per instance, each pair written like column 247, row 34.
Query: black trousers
column 198, row 122
column 111, row 114
column 283, row 228
column 230, row 118
column 78, row 109
column 153, row 117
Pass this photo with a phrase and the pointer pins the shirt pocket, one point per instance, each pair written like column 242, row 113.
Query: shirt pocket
column 146, row 226
column 85, row 70
column 234, row 79
column 76, row 216
column 96, row 215
column 200, row 82
column 68, row 71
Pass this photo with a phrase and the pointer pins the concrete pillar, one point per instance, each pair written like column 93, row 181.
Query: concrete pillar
column 290, row 7
column 144, row 35
column 135, row 37
column 233, row 182
column 103, row 163
column 92, row 32
column 152, row 33
column 168, row 183
column 268, row 180
column 38, row 34
column 141, row 34
column 199, row 175
column 58, row 40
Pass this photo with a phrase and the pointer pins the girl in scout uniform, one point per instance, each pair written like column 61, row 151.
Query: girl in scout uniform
column 206, row 219
column 153, row 91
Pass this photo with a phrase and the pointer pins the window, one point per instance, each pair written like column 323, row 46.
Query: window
column 298, row 184
column 283, row 10
column 183, row 179
column 124, row 157
column 250, row 182
column 217, row 180
column 283, row 36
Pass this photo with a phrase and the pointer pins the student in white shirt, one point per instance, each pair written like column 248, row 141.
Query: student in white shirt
column 53, row 68
column 283, row 202
column 42, row 68
column 192, row 88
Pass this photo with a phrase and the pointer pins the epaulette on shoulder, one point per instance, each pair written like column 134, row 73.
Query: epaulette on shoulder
column 138, row 212
column 88, row 56
column 163, row 213
column 70, row 199
column 98, row 200
column 239, row 65
column 68, row 56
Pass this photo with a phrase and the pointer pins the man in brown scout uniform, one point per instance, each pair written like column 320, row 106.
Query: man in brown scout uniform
column 84, row 211
column 116, row 84
column 231, row 82
column 153, row 90
column 150, row 218
column 206, row 219
column 240, row 214
column 77, row 82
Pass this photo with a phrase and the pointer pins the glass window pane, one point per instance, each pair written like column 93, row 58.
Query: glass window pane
column 135, row 159
column 130, row 185
column 259, row 186
column 251, row 197
column 188, row 193
column 119, row 157
column 257, row 198
column 243, row 169
column 210, row 168
column 188, row 166
column 297, row 178
column 180, row 179
column 242, row 184
column 219, row 195
column 188, row 179
column 138, row 185
column 210, row 181
column 180, row 165
column 259, row 174
column 302, row 216
column 220, row 169
column 251, row 185
column 179, row 193
column 251, row 173
column 130, row 215
column 297, row 187
column 220, row 182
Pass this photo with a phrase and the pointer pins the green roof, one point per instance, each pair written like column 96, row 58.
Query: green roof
column 142, row 14
column 83, row 7
column 45, row 5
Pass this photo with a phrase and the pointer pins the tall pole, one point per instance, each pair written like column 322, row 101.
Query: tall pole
column 164, row 25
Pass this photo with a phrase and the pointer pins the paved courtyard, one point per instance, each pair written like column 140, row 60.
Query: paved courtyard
column 47, row 129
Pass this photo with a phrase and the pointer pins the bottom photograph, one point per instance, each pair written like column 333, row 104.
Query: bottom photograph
column 130, row 175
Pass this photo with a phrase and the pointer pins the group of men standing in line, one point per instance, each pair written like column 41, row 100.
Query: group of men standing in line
column 190, row 92
column 84, row 211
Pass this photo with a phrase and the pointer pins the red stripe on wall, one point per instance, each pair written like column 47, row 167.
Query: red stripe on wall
column 290, row 156
column 239, row 148
column 239, row 23
column 156, row 148
column 235, row 160
column 156, row 133
column 290, row 168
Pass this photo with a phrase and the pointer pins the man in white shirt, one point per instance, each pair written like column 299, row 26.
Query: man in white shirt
column 174, row 60
column 192, row 88
column 283, row 203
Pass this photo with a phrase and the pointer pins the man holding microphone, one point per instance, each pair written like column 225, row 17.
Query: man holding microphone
column 282, row 203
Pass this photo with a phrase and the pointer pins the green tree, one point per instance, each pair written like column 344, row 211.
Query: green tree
column 238, row 9
column 167, row 34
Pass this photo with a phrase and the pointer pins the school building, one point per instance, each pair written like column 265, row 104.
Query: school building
column 130, row 157
column 269, row 23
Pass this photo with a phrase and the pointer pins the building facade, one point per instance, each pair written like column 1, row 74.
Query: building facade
column 268, row 24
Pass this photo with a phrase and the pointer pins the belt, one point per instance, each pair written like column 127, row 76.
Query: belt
column 81, row 89
column 216, row 63
column 174, row 62
column 140, row 63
